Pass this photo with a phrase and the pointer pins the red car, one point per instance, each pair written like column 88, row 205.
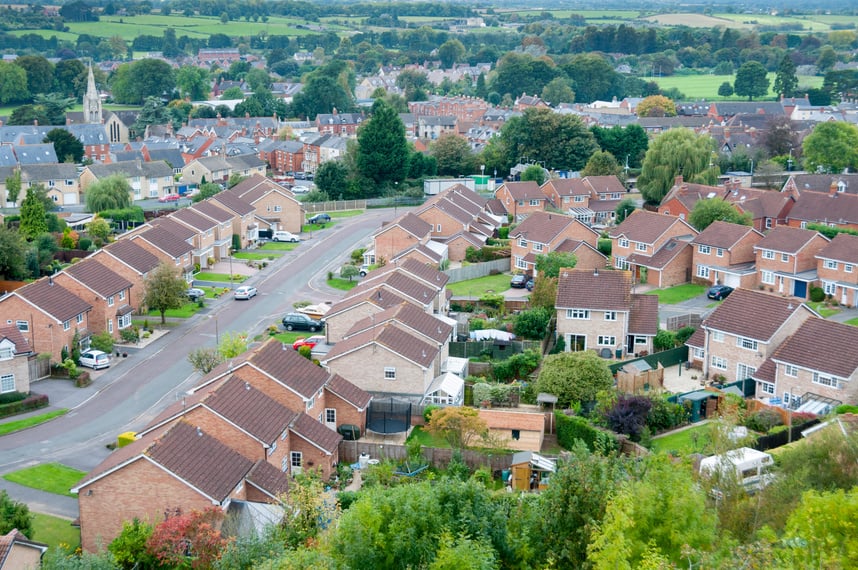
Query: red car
column 169, row 198
column 310, row 341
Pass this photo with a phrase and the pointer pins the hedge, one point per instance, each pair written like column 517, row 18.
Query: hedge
column 570, row 428
column 31, row 402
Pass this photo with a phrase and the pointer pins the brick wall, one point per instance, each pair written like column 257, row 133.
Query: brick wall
column 390, row 241
column 45, row 334
column 137, row 288
column 346, row 413
column 338, row 325
column 365, row 368
column 592, row 328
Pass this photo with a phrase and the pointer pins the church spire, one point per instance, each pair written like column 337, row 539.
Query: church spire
column 91, row 100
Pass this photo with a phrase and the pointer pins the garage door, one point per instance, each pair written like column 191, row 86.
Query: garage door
column 69, row 198
column 731, row 280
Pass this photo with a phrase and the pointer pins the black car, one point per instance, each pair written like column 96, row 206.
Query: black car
column 320, row 219
column 518, row 281
column 719, row 292
column 300, row 321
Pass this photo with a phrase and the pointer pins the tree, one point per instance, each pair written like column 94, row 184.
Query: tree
column 460, row 427
column 68, row 74
column 532, row 323
column 786, row 81
column 781, row 136
column 521, row 73
column 129, row 547
column 558, row 91
column 574, row 376
column 13, row 254
column 164, row 289
column 593, row 78
column 33, row 222
column 383, row 149
column 193, row 82
column 310, row 511
column 153, row 113
column 677, row 151
column 656, row 106
column 191, row 540
column 331, row 177
column 39, row 71
column 627, row 144
column 349, row 272
column 321, row 94
column 560, row 141
column 54, row 106
column 204, row 360
column 132, row 83
column 414, row 83
column 28, row 115
column 710, row 210
column 624, row 209
column 451, row 52
column 67, row 147
column 821, row 529
column 751, row 80
column 831, row 147
column 111, row 193
column 544, row 292
column 550, row 264
column 232, row 93
column 602, row 163
column 13, row 83
column 827, row 58
column 534, row 173
column 453, row 154
column 725, row 89
column 258, row 79
column 15, row 515
column 232, row 344
column 207, row 190
column 99, row 228
column 13, row 187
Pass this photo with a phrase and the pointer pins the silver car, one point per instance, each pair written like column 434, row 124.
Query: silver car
column 245, row 292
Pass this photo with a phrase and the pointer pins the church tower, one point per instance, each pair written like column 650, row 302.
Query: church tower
column 91, row 101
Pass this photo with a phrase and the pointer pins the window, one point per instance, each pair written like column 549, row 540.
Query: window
column 284, row 435
column 804, row 225
column 623, row 242
column 718, row 336
column 767, row 388
column 703, row 271
column 69, row 182
column 330, row 416
column 719, row 363
column 311, row 403
column 769, row 223
column 829, row 287
column 768, row 254
column 744, row 371
column 610, row 315
column 110, row 301
column 516, row 434
column 538, row 247
column 272, row 449
column 66, row 325
column 578, row 314
column 110, row 325
column 784, row 257
column 389, row 373
column 122, row 295
column 522, row 242
column 746, row 343
column 640, row 246
column 607, row 340
column 7, row 383
column 23, row 326
column 699, row 353
column 830, row 264
column 719, row 252
column 825, row 380
column 79, row 319
column 621, row 263
column 847, row 267
column 640, row 339
column 278, row 208
column 534, row 202
column 295, row 460
column 6, row 353
column 791, row 370
column 705, row 249
column 124, row 321
column 520, row 263
column 768, row 277
column 579, row 199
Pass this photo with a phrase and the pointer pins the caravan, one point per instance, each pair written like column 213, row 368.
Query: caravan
column 751, row 467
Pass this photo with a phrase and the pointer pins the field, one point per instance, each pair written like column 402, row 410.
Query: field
column 706, row 86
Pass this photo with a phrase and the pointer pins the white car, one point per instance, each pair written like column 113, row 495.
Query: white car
column 94, row 359
column 245, row 292
column 282, row 235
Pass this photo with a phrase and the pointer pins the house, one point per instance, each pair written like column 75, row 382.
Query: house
column 836, row 209
column 799, row 183
column 203, row 237
column 340, row 124
column 572, row 195
column 606, row 194
column 521, row 198
column 282, row 156
column 108, row 291
column 48, row 315
column 733, row 346
column 404, row 232
column 544, row 232
column 637, row 240
column 15, row 354
column 147, row 179
column 275, row 206
column 433, row 127
column 814, row 380
column 180, row 467
column 521, row 431
column 596, row 310
column 60, row 180
column 212, row 169
column 457, row 210
column 133, row 262
column 837, row 269
column 723, row 254
column 222, row 229
column 17, row 552
column 786, row 260
column 168, row 247
column 242, row 216
column 683, row 196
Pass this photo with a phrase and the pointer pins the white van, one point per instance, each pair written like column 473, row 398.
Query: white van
column 284, row 236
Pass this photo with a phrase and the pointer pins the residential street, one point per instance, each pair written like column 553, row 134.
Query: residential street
column 130, row 393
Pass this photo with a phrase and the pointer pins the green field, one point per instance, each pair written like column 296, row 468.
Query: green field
column 706, row 86
column 197, row 26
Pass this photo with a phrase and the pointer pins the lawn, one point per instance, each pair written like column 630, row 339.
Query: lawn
column 678, row 294
column 290, row 337
column 310, row 228
column 683, row 442
column 185, row 312
column 55, row 531
column 852, row 322
column 346, row 213
column 18, row 425
column 481, row 285
column 342, row 284
column 256, row 256
column 824, row 310
column 706, row 86
column 219, row 277
column 51, row 477
column 279, row 246
column 426, row 439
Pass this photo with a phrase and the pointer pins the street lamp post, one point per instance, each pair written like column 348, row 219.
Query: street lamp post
column 230, row 270
column 217, row 332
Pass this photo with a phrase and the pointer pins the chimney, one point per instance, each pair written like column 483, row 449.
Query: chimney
column 596, row 272
column 832, row 190
column 678, row 180
column 199, row 431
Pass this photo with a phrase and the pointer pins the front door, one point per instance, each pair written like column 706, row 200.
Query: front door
column 296, row 462
column 331, row 418
column 800, row 289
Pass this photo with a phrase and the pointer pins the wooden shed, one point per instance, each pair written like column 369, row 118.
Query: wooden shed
column 531, row 471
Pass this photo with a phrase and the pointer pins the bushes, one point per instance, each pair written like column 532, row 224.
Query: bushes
column 516, row 366
column 665, row 415
column 103, row 341
column 31, row 402
column 763, row 421
column 496, row 394
column 629, row 415
column 571, row 428
column 474, row 255
column 10, row 397
column 817, row 294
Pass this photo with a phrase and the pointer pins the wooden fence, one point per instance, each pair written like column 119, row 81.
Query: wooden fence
column 350, row 451
column 333, row 206
column 498, row 350
column 681, row 321
column 476, row 270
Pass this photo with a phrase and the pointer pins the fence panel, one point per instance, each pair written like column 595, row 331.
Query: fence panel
column 500, row 351
column 476, row 270
column 681, row 321
column 334, row 206
column 350, row 451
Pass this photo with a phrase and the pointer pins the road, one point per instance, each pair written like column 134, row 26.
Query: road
column 131, row 394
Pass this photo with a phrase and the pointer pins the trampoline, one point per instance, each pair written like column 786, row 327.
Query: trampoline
column 388, row 416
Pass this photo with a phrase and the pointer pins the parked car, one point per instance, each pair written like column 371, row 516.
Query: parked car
column 299, row 321
column 95, row 359
column 195, row 294
column 719, row 292
column 245, row 292
column 169, row 198
column 364, row 269
column 529, row 285
column 285, row 236
column 518, row 281
column 310, row 341
column 320, row 218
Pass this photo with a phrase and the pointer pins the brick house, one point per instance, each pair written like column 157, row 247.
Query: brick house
column 15, row 354
column 413, row 321
column 402, row 233
column 640, row 236
column 282, row 156
column 223, row 226
column 457, row 244
column 786, row 260
column 343, row 314
column 133, row 262
column 17, row 551
column 799, row 183
column 743, row 331
column 606, row 194
column 723, row 254
column 544, row 232
column 108, row 291
column 203, row 229
column 812, row 380
column 596, row 310
column 179, row 467
column 48, row 315
column 168, row 248
column 521, row 199
column 340, row 124
column 275, row 206
column 455, row 211
column 837, row 209
column 682, row 196
column 837, row 268
column 243, row 213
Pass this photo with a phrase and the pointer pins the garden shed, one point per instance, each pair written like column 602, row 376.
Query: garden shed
column 531, row 471
column 638, row 376
column 702, row 403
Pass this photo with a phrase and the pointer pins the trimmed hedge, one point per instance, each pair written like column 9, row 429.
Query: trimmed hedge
column 10, row 397
column 31, row 402
column 570, row 428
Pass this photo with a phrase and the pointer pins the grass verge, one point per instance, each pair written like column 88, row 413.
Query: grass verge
column 824, row 310
column 18, row 425
column 852, row 322
column 256, row 256
column 51, row 477
column 346, row 213
column 186, row 311
column 481, row 285
column 342, row 284
column 279, row 246
column 290, row 337
column 219, row 277
column 55, row 532
column 678, row 294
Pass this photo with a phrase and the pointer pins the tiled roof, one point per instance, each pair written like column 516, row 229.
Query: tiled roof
column 348, row 391
column 409, row 316
column 98, row 277
column 251, row 409
column 268, row 478
column 194, row 219
column 407, row 345
column 250, row 183
column 289, row 368
column 140, row 259
column 316, row 433
column 823, row 346
column 843, row 247
column 830, row 208
column 212, row 211
column 128, row 168
column 179, row 230
column 524, row 190
column 399, row 282
column 567, row 187
column 823, row 182
column 234, row 203
column 646, row 227
column 378, row 296
column 8, row 542
column 430, row 275
column 413, row 225
column 52, row 298
column 166, row 242
column 785, row 239
column 643, row 317
column 14, row 336
column 661, row 258
column 753, row 314
column 697, row 339
column 766, row 204
column 602, row 290
column 543, row 227
column 767, row 372
column 605, row 184
column 421, row 249
column 723, row 234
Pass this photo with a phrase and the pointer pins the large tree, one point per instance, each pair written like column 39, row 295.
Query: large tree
column 112, row 193
column 33, row 223
column 574, row 376
column 13, row 83
column 560, row 142
column 780, row 136
column 164, row 289
column 602, row 163
column 321, row 94
column 153, row 113
column 453, row 155
column 15, row 515
column 383, row 151
column 40, row 73
column 70, row 76
column 193, row 82
column 786, row 81
column 517, row 74
column 674, row 152
column 67, row 147
column 831, row 147
column 751, row 80
column 716, row 209
column 558, row 90
column 332, row 177
column 627, row 144
column 133, row 82
column 656, row 106
column 550, row 264
column 594, row 78
column 451, row 52
column 13, row 254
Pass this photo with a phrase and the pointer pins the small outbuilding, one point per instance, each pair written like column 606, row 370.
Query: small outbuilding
column 531, row 471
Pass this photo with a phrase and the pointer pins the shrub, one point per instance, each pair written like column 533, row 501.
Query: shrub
column 493, row 300
column 477, row 324
column 664, row 340
column 131, row 334
column 10, row 397
column 817, row 294
column 572, row 428
column 763, row 421
column 427, row 412
column 629, row 415
column 683, row 334
column 84, row 243
column 103, row 341
column 664, row 415
column 503, row 232
column 846, row 409
column 32, row 402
